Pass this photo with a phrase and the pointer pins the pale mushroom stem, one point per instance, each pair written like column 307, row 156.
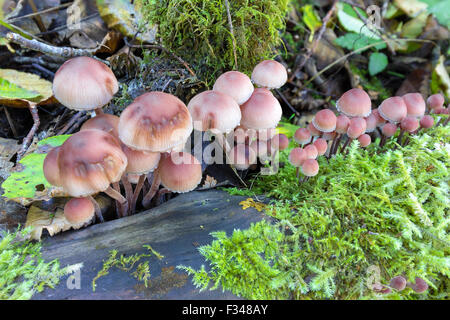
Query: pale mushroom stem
column 153, row 189
column 137, row 191
column 116, row 187
column 162, row 192
column 120, row 198
column 98, row 210
column 223, row 143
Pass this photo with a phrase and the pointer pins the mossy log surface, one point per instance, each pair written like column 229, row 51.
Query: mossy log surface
column 175, row 229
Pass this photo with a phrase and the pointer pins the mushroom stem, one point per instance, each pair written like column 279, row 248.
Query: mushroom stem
column 128, row 191
column 153, row 189
column 98, row 210
column 161, row 193
column 116, row 187
column 349, row 140
column 120, row 198
column 223, row 143
column 137, row 191
column 99, row 111
column 334, row 145
column 400, row 136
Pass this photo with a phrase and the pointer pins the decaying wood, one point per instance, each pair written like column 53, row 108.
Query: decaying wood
column 175, row 230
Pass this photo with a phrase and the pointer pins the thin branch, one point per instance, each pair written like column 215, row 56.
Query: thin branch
column 39, row 12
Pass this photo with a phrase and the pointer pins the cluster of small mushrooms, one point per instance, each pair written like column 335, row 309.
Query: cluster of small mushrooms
column 147, row 140
column 357, row 120
column 399, row 283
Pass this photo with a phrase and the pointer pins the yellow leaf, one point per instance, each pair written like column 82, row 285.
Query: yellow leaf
column 250, row 203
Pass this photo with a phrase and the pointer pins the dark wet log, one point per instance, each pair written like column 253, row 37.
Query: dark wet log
column 175, row 229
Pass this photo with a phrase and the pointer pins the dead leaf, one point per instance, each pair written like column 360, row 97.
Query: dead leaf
column 8, row 148
column 250, row 203
column 416, row 81
column 210, row 182
column 411, row 7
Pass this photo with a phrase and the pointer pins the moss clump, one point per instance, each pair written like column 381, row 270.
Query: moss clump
column 364, row 219
column 199, row 31
column 23, row 272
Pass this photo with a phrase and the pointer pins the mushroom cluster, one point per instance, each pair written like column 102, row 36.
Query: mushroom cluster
column 249, row 115
column 357, row 120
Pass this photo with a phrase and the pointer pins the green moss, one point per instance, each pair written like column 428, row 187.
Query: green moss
column 199, row 32
column 23, row 272
column 366, row 217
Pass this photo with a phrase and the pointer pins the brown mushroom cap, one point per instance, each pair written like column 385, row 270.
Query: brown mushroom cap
column 279, row 141
column 269, row 74
column 415, row 104
column 105, row 122
column 302, row 136
column 297, row 156
column 180, row 172
column 364, row 140
column 356, row 128
column 51, row 170
column 393, row 109
column 79, row 210
column 310, row 167
column 83, row 83
column 354, row 103
column 214, row 110
column 389, row 129
column 242, row 156
column 235, row 84
column 342, row 123
column 261, row 111
column 325, row 120
column 155, row 122
column 321, row 146
column 140, row 162
column 89, row 161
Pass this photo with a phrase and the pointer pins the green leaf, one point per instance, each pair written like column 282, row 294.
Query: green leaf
column 353, row 41
column 377, row 62
column 349, row 19
column 311, row 19
column 54, row 141
column 9, row 90
column 442, row 12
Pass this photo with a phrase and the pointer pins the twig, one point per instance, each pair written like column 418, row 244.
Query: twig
column 317, row 40
column 227, row 5
column 287, row 102
column 71, row 122
column 37, row 18
column 155, row 46
column 35, row 45
column 27, row 140
column 11, row 123
column 39, row 12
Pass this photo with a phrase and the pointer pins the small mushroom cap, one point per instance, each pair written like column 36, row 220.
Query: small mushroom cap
column 419, row 286
column 314, row 132
column 297, row 156
column 364, row 140
column 389, row 129
column 83, row 83
column 155, row 122
column 435, row 101
column 409, row 124
column 269, row 74
column 310, row 167
column 302, row 136
column 321, row 146
column 79, row 210
column 242, row 156
column 244, row 135
column 380, row 120
column 342, row 123
column 140, row 162
column 356, row 128
column 235, row 84
column 261, row 111
column 280, row 141
column 393, row 109
column 180, row 172
column 262, row 148
column 311, row 151
column 415, row 104
column 214, row 110
column 105, row 122
column 51, row 169
column 398, row 283
column 89, row 161
column 427, row 121
column 325, row 120
column 439, row 110
column 354, row 103
column 371, row 122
